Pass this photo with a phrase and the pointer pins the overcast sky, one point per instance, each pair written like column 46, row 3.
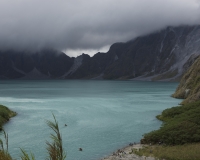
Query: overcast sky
column 77, row 26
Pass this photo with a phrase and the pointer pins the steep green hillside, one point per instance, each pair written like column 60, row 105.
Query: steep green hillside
column 189, row 87
column 181, row 124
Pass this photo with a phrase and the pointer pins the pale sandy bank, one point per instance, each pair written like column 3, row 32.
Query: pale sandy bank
column 124, row 154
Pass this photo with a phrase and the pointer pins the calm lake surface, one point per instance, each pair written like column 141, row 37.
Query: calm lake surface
column 101, row 116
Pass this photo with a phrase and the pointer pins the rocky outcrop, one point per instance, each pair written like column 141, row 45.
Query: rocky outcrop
column 162, row 55
column 189, row 87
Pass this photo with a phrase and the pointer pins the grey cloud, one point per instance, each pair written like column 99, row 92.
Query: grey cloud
column 91, row 24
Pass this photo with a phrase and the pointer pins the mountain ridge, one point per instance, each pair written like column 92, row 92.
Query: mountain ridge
column 162, row 55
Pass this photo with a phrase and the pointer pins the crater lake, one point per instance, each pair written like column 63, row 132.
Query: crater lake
column 101, row 116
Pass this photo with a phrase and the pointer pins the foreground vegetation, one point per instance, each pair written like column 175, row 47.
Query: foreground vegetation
column 54, row 148
column 181, row 125
column 5, row 115
column 179, row 152
column 179, row 135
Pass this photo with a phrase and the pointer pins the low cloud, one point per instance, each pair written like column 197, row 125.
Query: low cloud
column 76, row 25
column 90, row 52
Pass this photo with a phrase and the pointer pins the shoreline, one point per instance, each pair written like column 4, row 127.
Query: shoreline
column 126, row 153
column 5, row 115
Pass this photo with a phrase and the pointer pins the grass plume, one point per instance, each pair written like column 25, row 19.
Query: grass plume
column 25, row 155
column 4, row 155
column 55, row 148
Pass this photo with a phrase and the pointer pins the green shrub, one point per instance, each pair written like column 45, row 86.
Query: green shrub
column 55, row 148
column 181, row 125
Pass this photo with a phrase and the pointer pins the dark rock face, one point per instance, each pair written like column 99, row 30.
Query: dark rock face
column 52, row 63
column 157, row 56
column 162, row 55
column 49, row 63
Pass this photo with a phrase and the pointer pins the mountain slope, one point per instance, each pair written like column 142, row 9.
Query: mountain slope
column 162, row 55
column 45, row 64
column 157, row 56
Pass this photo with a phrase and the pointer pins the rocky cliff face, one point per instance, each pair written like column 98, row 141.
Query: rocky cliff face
column 163, row 55
column 189, row 87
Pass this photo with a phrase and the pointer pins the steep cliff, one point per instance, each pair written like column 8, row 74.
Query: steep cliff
column 189, row 87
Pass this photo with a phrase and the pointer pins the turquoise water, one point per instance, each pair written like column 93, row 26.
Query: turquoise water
column 102, row 116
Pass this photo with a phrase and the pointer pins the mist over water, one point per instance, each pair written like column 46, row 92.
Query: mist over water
column 101, row 116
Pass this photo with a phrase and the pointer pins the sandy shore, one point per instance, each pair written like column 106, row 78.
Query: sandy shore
column 124, row 154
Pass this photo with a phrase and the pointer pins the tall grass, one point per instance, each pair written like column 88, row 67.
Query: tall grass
column 4, row 155
column 26, row 156
column 54, row 148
